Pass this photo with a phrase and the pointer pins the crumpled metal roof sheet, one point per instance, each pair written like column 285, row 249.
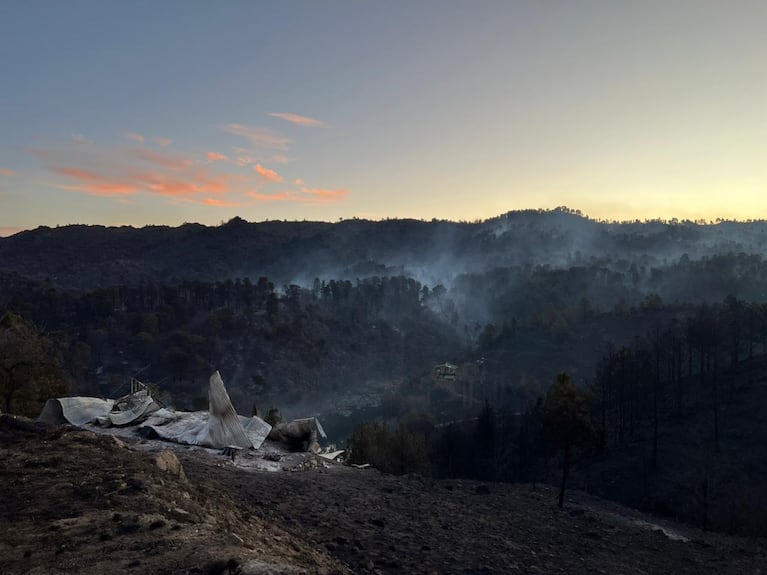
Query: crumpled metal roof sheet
column 75, row 410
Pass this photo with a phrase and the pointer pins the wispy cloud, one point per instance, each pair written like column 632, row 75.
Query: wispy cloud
column 96, row 184
column 216, row 203
column 304, row 196
column 191, row 184
column 260, row 137
column 165, row 159
column 273, row 197
column 185, row 185
column 7, row 172
column 297, row 119
column 164, row 142
column 134, row 137
column 80, row 139
column 134, row 172
column 323, row 195
column 267, row 174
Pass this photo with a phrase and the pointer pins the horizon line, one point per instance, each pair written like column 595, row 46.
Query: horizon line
column 9, row 231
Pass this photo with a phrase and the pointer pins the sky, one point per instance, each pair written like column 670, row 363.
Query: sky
column 162, row 112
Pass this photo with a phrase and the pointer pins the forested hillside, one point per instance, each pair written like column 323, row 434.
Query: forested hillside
column 662, row 325
column 287, row 309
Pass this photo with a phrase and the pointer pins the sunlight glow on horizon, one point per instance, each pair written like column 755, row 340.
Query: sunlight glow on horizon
column 394, row 110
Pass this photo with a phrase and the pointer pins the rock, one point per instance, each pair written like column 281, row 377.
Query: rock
column 168, row 462
column 118, row 442
column 482, row 490
column 235, row 539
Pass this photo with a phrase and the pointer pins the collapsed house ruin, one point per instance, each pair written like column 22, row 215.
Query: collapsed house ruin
column 220, row 427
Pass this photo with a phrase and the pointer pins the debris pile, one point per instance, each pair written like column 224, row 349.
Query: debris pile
column 219, row 428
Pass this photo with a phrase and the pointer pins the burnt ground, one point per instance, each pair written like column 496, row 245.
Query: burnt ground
column 73, row 501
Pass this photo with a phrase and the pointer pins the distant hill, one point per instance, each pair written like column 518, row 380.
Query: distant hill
column 433, row 252
column 374, row 303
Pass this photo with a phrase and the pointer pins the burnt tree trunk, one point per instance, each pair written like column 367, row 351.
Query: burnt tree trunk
column 565, row 472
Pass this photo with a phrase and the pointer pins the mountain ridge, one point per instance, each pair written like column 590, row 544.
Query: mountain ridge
column 433, row 251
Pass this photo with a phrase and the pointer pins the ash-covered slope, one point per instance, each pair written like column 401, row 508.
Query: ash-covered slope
column 78, row 502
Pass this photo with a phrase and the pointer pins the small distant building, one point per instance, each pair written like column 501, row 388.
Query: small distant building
column 444, row 372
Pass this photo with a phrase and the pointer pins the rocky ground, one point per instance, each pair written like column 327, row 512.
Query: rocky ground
column 73, row 501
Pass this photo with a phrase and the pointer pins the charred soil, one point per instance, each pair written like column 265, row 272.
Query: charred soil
column 78, row 502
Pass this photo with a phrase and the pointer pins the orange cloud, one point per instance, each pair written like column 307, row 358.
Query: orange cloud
column 193, row 184
column 320, row 195
column 275, row 197
column 164, row 142
column 267, row 174
column 306, row 196
column 298, row 120
column 7, row 172
column 133, row 173
column 135, row 137
column 222, row 204
column 96, row 184
column 162, row 158
column 260, row 137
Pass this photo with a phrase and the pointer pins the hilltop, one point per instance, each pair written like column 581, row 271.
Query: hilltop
column 433, row 252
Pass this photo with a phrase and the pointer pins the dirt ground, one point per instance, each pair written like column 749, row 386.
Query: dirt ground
column 74, row 501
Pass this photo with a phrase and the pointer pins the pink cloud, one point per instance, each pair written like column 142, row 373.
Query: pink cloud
column 96, row 184
column 164, row 142
column 135, row 137
column 298, row 120
column 298, row 182
column 267, row 174
column 162, row 158
column 7, row 172
column 260, row 137
column 216, row 157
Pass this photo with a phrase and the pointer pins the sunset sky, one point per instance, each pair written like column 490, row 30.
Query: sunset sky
column 164, row 112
